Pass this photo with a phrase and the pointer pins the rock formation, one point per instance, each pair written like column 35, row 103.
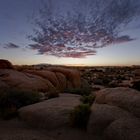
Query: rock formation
column 50, row 114
column 5, row 64
column 53, row 79
column 116, row 114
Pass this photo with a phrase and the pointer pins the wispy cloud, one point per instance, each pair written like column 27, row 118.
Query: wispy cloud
column 85, row 26
column 123, row 39
column 11, row 46
column 63, row 50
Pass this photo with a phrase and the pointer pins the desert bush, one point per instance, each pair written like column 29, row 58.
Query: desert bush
column 80, row 116
column 87, row 99
column 13, row 99
column 85, row 89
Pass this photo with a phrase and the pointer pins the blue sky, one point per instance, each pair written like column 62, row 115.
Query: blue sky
column 15, row 25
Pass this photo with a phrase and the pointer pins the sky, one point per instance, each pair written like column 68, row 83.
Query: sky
column 16, row 25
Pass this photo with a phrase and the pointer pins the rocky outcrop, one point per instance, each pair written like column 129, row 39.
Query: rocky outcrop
column 53, row 79
column 62, row 85
column 125, row 98
column 50, row 114
column 71, row 75
column 123, row 129
column 5, row 64
column 102, row 115
column 46, row 75
column 61, row 78
column 24, row 81
column 116, row 114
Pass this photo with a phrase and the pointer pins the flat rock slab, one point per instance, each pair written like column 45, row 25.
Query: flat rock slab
column 16, row 130
column 52, row 113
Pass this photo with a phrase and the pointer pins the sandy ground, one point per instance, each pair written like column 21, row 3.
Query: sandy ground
column 17, row 130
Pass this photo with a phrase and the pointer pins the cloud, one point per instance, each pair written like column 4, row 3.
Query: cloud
column 123, row 39
column 63, row 50
column 80, row 51
column 11, row 46
column 78, row 29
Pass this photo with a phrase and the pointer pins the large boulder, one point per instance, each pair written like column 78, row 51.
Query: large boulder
column 51, row 76
column 24, row 81
column 125, row 98
column 5, row 64
column 52, row 113
column 102, row 115
column 123, row 129
column 71, row 75
column 53, row 79
column 60, row 77
column 62, row 85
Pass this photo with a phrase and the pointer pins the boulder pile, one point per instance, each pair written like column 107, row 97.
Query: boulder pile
column 116, row 114
column 53, row 79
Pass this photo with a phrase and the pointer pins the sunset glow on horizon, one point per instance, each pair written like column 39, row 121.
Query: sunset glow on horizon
column 81, row 49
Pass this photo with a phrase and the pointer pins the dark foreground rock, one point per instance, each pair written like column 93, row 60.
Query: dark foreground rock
column 18, row 130
column 102, row 115
column 123, row 129
column 5, row 64
column 116, row 114
column 50, row 114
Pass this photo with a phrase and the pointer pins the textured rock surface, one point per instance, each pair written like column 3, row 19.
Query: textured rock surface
column 125, row 98
column 62, row 85
column 123, row 129
column 102, row 115
column 16, row 130
column 53, row 79
column 5, row 64
column 52, row 113
column 46, row 75
column 116, row 114
column 61, row 78
column 72, row 75
column 19, row 80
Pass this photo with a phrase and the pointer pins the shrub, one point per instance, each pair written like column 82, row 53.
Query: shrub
column 12, row 99
column 80, row 116
column 85, row 89
column 87, row 99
